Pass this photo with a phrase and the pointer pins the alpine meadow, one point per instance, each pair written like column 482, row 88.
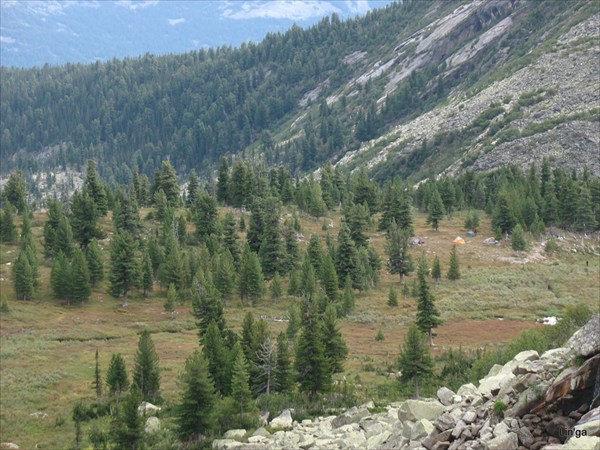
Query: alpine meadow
column 280, row 245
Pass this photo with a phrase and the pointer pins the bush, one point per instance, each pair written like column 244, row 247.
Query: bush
column 499, row 408
column 552, row 246
column 517, row 238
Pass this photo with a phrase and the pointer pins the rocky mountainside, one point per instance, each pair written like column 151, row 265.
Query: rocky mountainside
column 413, row 90
column 538, row 402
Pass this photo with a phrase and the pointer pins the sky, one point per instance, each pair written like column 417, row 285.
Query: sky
column 36, row 32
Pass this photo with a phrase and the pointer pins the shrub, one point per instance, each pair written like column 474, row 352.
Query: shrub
column 499, row 408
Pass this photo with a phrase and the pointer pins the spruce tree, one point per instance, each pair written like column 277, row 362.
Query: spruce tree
column 60, row 278
column 240, row 387
column 435, row 210
column 125, row 269
column 308, row 281
column 414, row 360
column 399, row 261
column 8, row 231
column 95, row 189
column 84, row 218
column 223, row 183
column 314, row 251
column 204, row 213
column 116, row 375
column 436, row 271
column 392, row 297
column 95, row 262
column 217, row 355
column 27, row 246
column 165, row 179
column 225, row 274
column 312, row 364
column 271, row 247
column 23, row 277
column 97, row 378
column 454, row 269
column 15, row 192
column 291, row 252
column 283, row 381
column 146, row 373
column 503, row 219
column 357, row 218
column 196, row 406
column 427, row 313
column 128, row 424
column 207, row 306
column 276, row 288
column 147, row 274
column 250, row 281
column 329, row 279
column 171, row 270
column 348, row 297
column 336, row 349
column 169, row 305
column 404, row 219
column 294, row 322
column 230, row 238
column 585, row 219
column 346, row 256
column 193, row 188
column 81, row 288
column 518, row 241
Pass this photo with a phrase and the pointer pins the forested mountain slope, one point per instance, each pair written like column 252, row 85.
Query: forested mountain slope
column 413, row 89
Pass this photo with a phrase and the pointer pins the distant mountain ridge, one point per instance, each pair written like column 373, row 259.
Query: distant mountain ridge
column 415, row 89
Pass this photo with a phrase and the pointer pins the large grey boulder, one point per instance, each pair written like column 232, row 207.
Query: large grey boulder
column 434, row 438
column 490, row 386
column 353, row 415
column 225, row 444
column 148, row 409
column 583, row 443
column 283, row 420
column 508, row 441
column 589, row 423
column 236, row 434
column 375, row 442
column 152, row 425
column 421, row 430
column 586, row 341
column 262, row 431
column 445, row 396
column 419, row 409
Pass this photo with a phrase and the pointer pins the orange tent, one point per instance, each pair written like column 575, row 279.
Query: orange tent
column 459, row 240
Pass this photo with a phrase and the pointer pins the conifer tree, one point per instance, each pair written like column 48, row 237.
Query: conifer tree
column 348, row 298
column 27, row 247
column 293, row 322
column 81, row 288
column 454, row 269
column 414, row 360
column 207, row 306
column 95, row 189
column 392, row 297
column 391, row 206
column 97, row 378
column 435, row 209
column 276, row 288
column 84, row 218
column 436, row 271
column 271, row 247
column 225, row 274
column 8, row 231
column 294, row 284
column 314, row 251
column 283, row 381
column 312, row 365
column 256, row 227
column 517, row 238
column 230, row 238
column 128, row 424
column 336, row 349
column 404, row 219
column 147, row 274
column 308, row 281
column 95, row 263
column 55, row 213
column 240, row 387
column 250, row 282
column 23, row 277
column 146, row 373
column 165, row 179
column 116, row 375
column 217, row 355
column 399, row 261
column 291, row 253
column 346, row 256
column 195, row 408
column 503, row 219
column 169, row 305
column 193, row 188
column 15, row 192
column 126, row 215
column 125, row 269
column 171, row 270
column 427, row 313
column 357, row 218
column 329, row 279
column 204, row 213
column 585, row 219
column 60, row 278
column 223, row 183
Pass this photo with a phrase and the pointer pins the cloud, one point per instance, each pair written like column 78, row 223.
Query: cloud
column 134, row 5
column 7, row 40
column 358, row 6
column 174, row 22
column 280, row 9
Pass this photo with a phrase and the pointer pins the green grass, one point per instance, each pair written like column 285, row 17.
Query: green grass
column 47, row 349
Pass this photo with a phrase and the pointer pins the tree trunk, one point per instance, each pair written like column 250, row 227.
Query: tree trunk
column 417, row 386
column 126, row 299
column 430, row 337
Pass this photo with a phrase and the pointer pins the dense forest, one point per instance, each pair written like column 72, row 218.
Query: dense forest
column 195, row 108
